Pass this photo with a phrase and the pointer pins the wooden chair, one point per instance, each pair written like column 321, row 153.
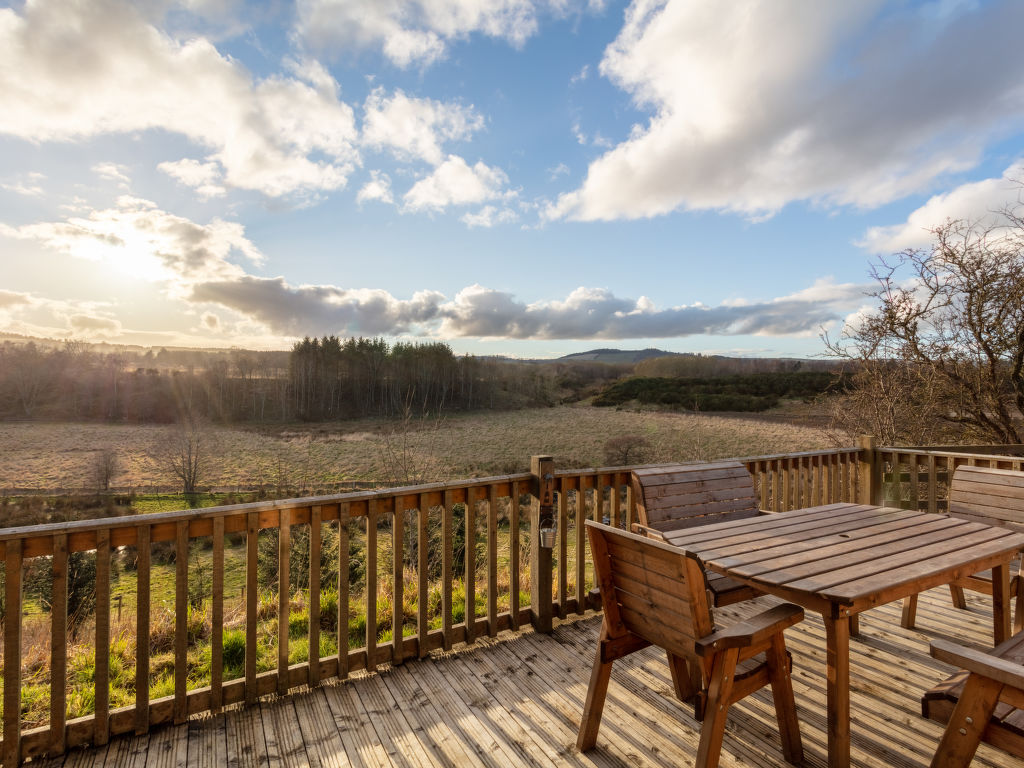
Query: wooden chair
column 654, row 594
column 670, row 498
column 993, row 497
column 984, row 702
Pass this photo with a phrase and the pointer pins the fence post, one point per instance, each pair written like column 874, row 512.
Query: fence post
column 870, row 471
column 542, row 512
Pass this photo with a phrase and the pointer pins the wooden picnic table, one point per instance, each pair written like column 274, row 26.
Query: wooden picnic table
column 842, row 559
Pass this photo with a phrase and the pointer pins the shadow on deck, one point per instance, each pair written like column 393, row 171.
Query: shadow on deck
column 517, row 700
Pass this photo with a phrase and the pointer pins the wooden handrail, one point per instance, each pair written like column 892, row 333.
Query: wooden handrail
column 495, row 518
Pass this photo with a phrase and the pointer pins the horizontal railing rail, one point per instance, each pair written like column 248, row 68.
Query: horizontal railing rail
column 231, row 603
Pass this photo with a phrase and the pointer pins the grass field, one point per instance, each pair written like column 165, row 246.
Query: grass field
column 62, row 456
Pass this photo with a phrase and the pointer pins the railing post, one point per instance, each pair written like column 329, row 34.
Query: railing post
column 541, row 516
column 870, row 471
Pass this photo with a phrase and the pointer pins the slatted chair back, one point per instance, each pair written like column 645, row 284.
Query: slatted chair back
column 685, row 495
column 653, row 594
column 994, row 497
column 988, row 495
column 651, row 590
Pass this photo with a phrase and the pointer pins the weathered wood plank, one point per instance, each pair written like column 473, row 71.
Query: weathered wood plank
column 143, row 566
column 101, row 732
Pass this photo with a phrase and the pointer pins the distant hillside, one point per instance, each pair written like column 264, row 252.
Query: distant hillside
column 628, row 356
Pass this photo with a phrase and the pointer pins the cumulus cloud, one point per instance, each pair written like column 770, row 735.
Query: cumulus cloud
column 298, row 310
column 92, row 326
column 589, row 313
column 68, row 73
column 415, row 129
column 138, row 239
column 759, row 103
column 975, row 201
column 112, row 172
column 455, row 182
column 488, row 216
column 377, row 188
column 416, row 31
column 201, row 176
column 202, row 265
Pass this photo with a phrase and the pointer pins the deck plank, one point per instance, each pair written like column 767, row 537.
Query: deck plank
column 515, row 700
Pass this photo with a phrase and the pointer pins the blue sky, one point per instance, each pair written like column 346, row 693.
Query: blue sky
column 521, row 177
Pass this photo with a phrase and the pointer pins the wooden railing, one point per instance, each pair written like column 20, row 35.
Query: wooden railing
column 915, row 478
column 497, row 520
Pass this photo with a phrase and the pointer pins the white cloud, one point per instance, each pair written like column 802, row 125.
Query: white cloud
column 204, row 264
column 202, row 176
column 68, row 73
column 454, row 182
column 39, row 316
column 975, row 201
column 377, row 188
column 27, row 185
column 139, row 240
column 416, row 128
column 112, row 172
column 413, row 31
column 488, row 216
column 754, row 104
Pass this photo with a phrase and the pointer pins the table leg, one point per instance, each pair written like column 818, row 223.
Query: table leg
column 1001, row 602
column 837, row 686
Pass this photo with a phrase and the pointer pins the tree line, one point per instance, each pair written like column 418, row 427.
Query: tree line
column 319, row 379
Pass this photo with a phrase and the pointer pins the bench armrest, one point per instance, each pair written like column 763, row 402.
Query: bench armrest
column 644, row 530
column 754, row 631
column 979, row 662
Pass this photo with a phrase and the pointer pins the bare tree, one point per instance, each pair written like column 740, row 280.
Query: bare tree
column 190, row 451
column 624, row 450
column 105, row 466
column 943, row 355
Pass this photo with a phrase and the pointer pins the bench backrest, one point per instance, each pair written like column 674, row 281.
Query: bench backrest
column 650, row 589
column 687, row 495
column 992, row 496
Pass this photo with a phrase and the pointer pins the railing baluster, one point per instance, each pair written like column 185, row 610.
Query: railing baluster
column 284, row 549
column 142, row 603
column 252, row 535
column 101, row 730
column 59, row 644
column 447, row 577
column 315, row 535
column 181, row 624
column 492, row 560
column 422, row 574
column 469, row 567
column 398, row 580
column 217, row 631
column 563, row 542
column 343, row 578
column 12, row 653
column 371, row 585
column 513, row 555
column 581, row 549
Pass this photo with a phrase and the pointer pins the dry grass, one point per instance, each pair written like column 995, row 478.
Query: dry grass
column 62, row 456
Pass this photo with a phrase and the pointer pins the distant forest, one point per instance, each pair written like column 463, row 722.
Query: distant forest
column 333, row 378
column 319, row 379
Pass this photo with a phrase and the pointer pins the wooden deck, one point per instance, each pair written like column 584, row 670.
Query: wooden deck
column 517, row 700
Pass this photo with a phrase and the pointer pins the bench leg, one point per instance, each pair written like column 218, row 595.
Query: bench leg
column 966, row 724
column 594, row 706
column 723, row 672
column 909, row 612
column 1018, row 612
column 779, row 668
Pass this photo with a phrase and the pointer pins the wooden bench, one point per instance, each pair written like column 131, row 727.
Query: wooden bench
column 982, row 702
column 993, row 497
column 653, row 593
column 679, row 496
